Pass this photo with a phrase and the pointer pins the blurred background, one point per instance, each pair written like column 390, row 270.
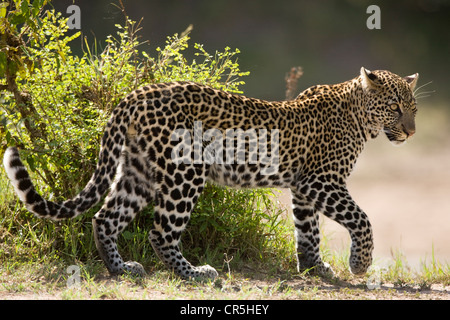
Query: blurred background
column 405, row 191
column 329, row 39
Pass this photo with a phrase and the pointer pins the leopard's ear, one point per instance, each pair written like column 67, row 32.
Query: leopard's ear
column 368, row 80
column 412, row 80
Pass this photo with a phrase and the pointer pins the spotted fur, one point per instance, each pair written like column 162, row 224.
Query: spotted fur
column 320, row 135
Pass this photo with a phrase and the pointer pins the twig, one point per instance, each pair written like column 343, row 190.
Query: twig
column 291, row 82
column 227, row 261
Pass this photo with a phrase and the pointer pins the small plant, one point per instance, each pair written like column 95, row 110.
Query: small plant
column 435, row 271
column 257, row 231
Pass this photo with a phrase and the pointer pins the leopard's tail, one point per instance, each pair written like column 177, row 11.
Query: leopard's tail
column 112, row 142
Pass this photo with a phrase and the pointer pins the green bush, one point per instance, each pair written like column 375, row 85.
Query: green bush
column 70, row 98
column 54, row 105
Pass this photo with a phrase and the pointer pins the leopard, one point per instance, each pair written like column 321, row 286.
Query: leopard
column 309, row 144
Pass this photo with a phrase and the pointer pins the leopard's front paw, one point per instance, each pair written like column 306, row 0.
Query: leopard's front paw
column 203, row 273
column 134, row 268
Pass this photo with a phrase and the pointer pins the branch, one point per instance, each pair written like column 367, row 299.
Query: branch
column 291, row 82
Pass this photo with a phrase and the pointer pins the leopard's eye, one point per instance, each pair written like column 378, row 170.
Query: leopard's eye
column 395, row 107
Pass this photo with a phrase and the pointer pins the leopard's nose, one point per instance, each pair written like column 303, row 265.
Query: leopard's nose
column 409, row 131
column 408, row 125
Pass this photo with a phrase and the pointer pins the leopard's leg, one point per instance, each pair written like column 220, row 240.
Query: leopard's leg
column 306, row 221
column 175, row 200
column 130, row 192
column 338, row 205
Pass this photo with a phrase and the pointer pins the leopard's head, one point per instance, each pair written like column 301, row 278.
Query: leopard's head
column 390, row 103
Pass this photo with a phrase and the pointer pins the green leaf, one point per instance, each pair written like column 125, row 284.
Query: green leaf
column 31, row 163
column 127, row 235
column 25, row 8
column 3, row 63
column 17, row 19
column 3, row 10
column 37, row 5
